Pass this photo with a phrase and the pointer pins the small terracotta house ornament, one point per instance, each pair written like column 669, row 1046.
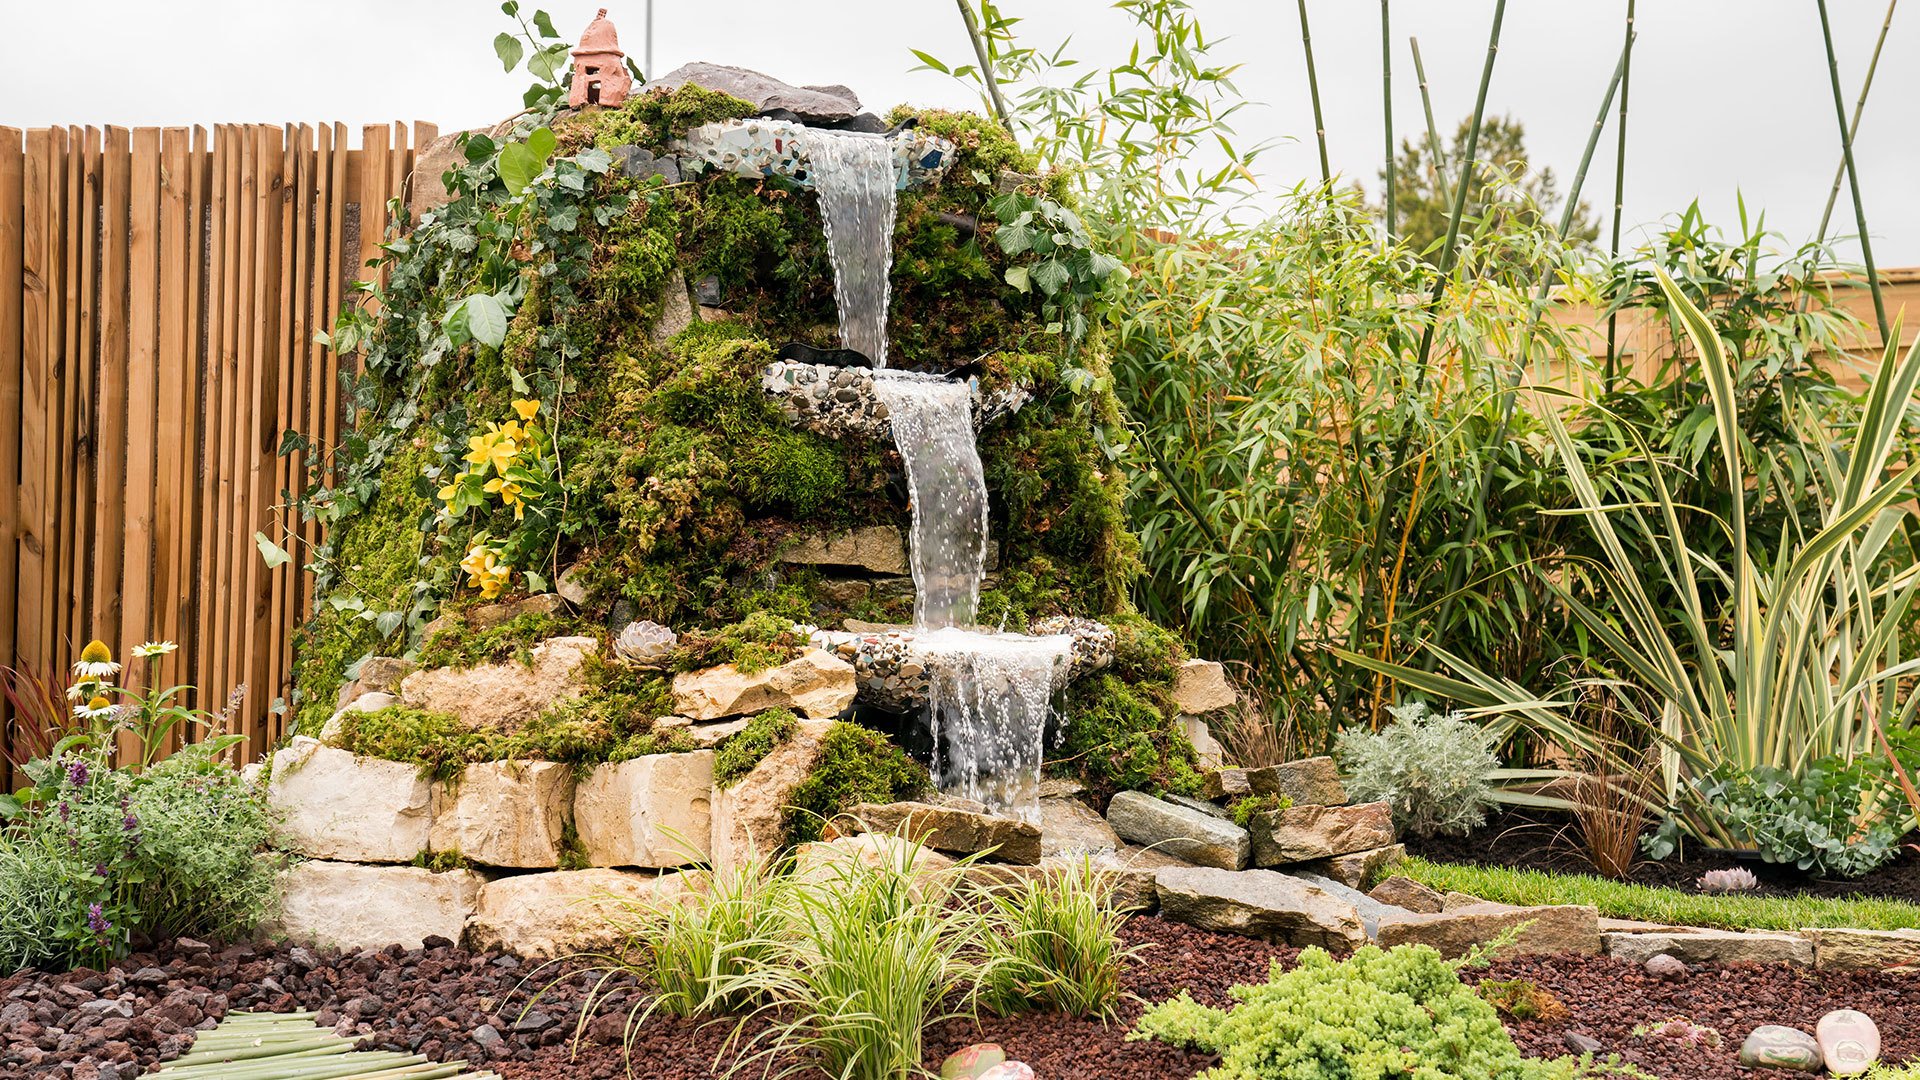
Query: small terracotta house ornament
column 599, row 67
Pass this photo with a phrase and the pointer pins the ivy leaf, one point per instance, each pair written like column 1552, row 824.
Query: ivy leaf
column 1018, row 278
column 509, row 50
column 536, row 582
column 387, row 623
column 480, row 147
column 520, row 162
column 544, row 24
column 549, row 62
column 274, row 555
column 510, row 8
column 1050, row 276
column 486, row 319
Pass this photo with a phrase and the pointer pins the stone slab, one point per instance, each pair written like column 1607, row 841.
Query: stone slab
column 1561, row 928
column 1198, row 838
column 1257, row 903
column 1304, row 833
column 505, row 813
column 341, row 806
column 354, row 906
column 543, row 916
column 653, row 811
column 1714, row 947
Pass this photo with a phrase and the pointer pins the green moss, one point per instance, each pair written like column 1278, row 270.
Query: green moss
column 980, row 143
column 573, row 853
column 1521, row 999
column 760, row 641
column 750, row 745
column 459, row 644
column 441, row 862
column 856, row 765
column 655, row 117
column 1143, row 650
column 1119, row 736
column 435, row 741
column 1242, row 810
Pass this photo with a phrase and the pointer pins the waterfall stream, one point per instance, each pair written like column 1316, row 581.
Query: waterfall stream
column 853, row 176
column 932, row 422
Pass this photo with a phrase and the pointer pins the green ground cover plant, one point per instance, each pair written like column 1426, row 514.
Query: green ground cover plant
column 1645, row 903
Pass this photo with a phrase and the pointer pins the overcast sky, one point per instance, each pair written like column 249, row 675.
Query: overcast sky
column 1728, row 96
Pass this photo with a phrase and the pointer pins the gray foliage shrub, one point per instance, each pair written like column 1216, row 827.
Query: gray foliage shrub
column 1433, row 768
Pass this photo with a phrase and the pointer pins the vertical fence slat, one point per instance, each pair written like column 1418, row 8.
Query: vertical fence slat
column 193, row 509
column 240, row 351
column 87, row 461
column 279, row 582
column 207, row 619
column 67, row 148
column 33, row 621
column 109, row 506
column 173, row 451
column 12, row 203
column 143, row 331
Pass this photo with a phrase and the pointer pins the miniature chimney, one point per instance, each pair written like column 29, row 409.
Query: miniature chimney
column 599, row 67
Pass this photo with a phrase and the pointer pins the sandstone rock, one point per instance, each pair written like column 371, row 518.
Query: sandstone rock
column 764, row 92
column 653, row 811
column 1133, row 856
column 372, row 701
column 506, row 694
column 1772, row 1046
column 1226, row 784
column 1071, row 827
column 336, row 805
column 1714, row 947
column 505, row 813
column 822, row 860
column 709, row 736
column 1357, row 869
column 377, row 675
column 370, row 907
column 1865, row 950
column 488, row 616
column 1201, row 839
column 1210, row 809
column 749, row 818
column 1257, row 903
column 945, row 828
column 1301, row 833
column 815, row 684
column 1409, row 894
column 877, row 548
column 1452, row 900
column 542, row 916
column 1372, row 912
column 1207, row 749
column 427, row 186
column 1201, row 686
column 1313, row 781
column 1554, row 929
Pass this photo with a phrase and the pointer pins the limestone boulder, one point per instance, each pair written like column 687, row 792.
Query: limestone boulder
column 504, row 695
column 1714, row 947
column 1198, row 838
column 371, row 701
column 1201, row 686
column 370, row 907
column 1071, row 827
column 505, row 813
column 749, row 818
column 1358, row 869
column 879, row 549
column 377, row 675
column 814, row 684
column 1206, row 749
column 1313, row 781
column 542, row 916
column 653, row 811
column 1123, row 888
column 1258, row 903
column 827, row 860
column 1563, row 928
column 1302, row 833
column 337, row 805
column 952, row 829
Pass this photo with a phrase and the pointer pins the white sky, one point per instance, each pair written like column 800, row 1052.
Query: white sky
column 1727, row 95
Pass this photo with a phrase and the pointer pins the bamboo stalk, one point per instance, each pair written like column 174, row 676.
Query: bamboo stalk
column 1619, row 189
column 986, row 64
column 1313, row 90
column 1853, row 129
column 1853, row 174
column 1433, row 133
column 1386, row 103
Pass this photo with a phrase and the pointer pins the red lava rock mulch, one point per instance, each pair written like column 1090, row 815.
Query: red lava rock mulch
column 448, row 1003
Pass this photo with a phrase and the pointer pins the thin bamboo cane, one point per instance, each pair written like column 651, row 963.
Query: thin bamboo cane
column 1434, row 145
column 1619, row 190
column 986, row 64
column 1853, row 174
column 1386, row 104
column 1853, row 128
column 1313, row 90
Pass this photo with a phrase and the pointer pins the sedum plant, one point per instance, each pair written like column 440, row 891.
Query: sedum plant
column 1801, row 667
column 1433, row 767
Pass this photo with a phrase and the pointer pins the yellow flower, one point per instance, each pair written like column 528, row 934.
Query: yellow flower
column 510, row 494
column 491, row 451
column 526, row 407
column 448, row 493
column 485, row 571
column 96, row 661
column 510, row 430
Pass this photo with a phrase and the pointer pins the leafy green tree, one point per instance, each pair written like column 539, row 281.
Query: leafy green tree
column 1423, row 194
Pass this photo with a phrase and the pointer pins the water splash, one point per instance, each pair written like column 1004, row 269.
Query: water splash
column 990, row 699
column 853, row 175
column 932, row 421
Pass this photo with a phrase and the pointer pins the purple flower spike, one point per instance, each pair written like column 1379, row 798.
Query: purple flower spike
column 77, row 772
column 97, row 918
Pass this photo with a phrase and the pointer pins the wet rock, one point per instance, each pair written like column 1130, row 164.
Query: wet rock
column 337, row 805
column 1198, row 838
column 1563, row 928
column 1201, row 686
column 950, row 829
column 505, row 813
column 1071, row 827
column 368, row 907
column 880, row 549
column 764, row 92
column 1313, row 781
column 1302, row 833
column 815, row 684
column 1774, row 1046
column 1410, row 894
column 1258, row 903
column 653, row 811
column 505, row 694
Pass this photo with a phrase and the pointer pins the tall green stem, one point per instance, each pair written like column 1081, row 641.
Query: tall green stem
column 986, row 63
column 1313, row 91
column 1853, row 128
column 1619, row 191
column 1433, row 133
column 1853, row 174
column 1386, row 103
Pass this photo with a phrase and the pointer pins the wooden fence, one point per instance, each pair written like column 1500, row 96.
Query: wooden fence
column 159, row 294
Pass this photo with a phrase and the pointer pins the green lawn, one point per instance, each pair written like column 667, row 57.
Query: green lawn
column 1646, row 903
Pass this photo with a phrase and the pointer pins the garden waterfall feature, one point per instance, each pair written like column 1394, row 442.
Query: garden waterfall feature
column 990, row 694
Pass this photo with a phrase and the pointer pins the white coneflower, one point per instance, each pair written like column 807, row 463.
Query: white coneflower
column 95, row 708
column 154, row 648
column 96, row 661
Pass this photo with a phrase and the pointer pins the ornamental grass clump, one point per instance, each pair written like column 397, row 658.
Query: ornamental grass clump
column 1395, row 1012
column 1055, row 944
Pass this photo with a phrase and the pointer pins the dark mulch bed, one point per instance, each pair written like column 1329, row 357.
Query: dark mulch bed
column 1542, row 840
column 447, row 1003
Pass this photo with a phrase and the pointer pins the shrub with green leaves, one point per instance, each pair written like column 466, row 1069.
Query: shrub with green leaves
column 1382, row 1013
column 1433, row 767
column 1836, row 818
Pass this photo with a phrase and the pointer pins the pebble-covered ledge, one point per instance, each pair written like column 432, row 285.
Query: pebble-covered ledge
column 891, row 674
column 763, row 147
column 840, row 401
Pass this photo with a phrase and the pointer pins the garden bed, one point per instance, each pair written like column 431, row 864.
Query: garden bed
column 1542, row 840
column 449, row 1003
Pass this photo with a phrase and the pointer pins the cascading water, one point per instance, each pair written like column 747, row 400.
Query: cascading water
column 932, row 421
column 853, row 176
